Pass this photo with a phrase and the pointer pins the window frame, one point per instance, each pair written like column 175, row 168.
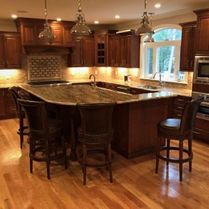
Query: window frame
column 154, row 46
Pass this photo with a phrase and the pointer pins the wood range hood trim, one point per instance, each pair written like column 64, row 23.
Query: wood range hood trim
column 47, row 49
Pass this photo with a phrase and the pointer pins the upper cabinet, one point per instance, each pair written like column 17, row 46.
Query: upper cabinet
column 188, row 46
column 202, row 40
column 129, row 47
column 114, row 51
column 82, row 54
column 30, row 29
column 101, row 48
column 10, row 50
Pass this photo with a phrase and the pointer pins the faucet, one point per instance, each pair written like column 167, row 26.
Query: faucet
column 160, row 77
column 94, row 82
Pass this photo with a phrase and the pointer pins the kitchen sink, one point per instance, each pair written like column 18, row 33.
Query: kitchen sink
column 151, row 87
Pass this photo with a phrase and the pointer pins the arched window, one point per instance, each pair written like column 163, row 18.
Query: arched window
column 161, row 58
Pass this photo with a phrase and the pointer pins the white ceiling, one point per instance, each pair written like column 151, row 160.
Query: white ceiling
column 102, row 10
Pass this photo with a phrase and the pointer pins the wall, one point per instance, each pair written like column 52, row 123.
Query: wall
column 7, row 25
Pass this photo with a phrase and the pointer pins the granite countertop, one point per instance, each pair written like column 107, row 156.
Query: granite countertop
column 86, row 94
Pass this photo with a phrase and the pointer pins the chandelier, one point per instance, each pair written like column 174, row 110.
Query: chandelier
column 47, row 33
column 80, row 28
column 145, row 27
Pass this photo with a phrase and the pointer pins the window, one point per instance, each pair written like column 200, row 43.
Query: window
column 161, row 58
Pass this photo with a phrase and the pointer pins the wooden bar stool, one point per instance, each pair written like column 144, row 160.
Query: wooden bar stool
column 46, row 138
column 95, row 135
column 23, row 130
column 180, row 130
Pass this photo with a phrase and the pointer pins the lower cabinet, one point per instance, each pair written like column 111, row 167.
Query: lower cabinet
column 7, row 105
column 201, row 130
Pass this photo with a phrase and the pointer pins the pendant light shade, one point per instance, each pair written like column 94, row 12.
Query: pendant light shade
column 145, row 24
column 80, row 28
column 47, row 34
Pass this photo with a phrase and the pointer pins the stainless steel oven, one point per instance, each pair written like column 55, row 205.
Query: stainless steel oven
column 203, row 111
column 201, row 69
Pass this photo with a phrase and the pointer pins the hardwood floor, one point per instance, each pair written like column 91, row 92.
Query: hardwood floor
column 135, row 183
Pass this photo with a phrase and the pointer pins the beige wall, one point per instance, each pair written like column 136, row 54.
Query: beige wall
column 7, row 25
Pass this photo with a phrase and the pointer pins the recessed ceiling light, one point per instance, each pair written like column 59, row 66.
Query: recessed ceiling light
column 96, row 22
column 157, row 5
column 59, row 19
column 117, row 16
column 14, row 16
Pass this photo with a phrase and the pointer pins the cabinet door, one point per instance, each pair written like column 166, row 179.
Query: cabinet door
column 114, row 50
column 101, row 50
column 28, row 34
column 187, row 46
column 2, row 106
column 76, row 59
column 67, row 37
column 12, row 50
column 123, row 57
column 88, row 52
column 2, row 57
column 203, row 34
column 58, row 32
column 10, row 109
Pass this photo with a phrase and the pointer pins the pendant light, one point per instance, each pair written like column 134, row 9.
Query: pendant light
column 80, row 28
column 145, row 27
column 47, row 33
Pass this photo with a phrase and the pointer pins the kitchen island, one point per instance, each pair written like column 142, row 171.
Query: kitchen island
column 135, row 117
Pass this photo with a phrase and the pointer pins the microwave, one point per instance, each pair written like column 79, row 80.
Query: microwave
column 201, row 69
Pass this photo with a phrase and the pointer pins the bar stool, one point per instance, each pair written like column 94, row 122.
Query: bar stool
column 95, row 135
column 46, row 138
column 23, row 130
column 180, row 130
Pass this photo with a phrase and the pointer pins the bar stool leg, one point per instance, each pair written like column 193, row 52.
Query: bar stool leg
column 168, row 151
column 158, row 146
column 84, row 163
column 110, row 162
column 190, row 151
column 180, row 159
column 21, row 128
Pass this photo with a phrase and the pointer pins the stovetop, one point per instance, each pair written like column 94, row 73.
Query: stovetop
column 47, row 82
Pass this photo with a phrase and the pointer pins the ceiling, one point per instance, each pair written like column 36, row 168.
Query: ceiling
column 101, row 10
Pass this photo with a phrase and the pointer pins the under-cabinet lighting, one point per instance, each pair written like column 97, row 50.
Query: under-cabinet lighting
column 7, row 74
column 96, row 22
column 14, row 16
column 59, row 19
column 123, row 31
column 157, row 5
column 117, row 16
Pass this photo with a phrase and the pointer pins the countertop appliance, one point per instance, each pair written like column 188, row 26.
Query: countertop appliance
column 201, row 69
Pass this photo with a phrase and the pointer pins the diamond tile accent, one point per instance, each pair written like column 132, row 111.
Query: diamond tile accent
column 44, row 67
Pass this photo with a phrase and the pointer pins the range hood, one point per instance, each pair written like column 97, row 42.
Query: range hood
column 47, row 49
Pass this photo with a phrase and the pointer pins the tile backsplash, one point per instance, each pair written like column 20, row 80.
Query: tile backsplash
column 44, row 67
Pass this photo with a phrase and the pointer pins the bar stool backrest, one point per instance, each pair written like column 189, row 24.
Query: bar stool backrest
column 37, row 117
column 189, row 115
column 96, row 121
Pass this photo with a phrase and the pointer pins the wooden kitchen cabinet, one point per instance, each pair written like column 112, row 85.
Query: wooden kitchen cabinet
column 10, row 50
column 30, row 28
column 129, row 51
column 7, row 105
column 201, row 130
column 188, row 46
column 202, row 39
column 114, row 50
column 101, row 48
column 82, row 53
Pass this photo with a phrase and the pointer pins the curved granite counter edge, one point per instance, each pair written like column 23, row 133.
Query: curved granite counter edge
column 137, row 98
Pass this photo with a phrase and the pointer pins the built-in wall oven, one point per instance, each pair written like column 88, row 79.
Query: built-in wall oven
column 201, row 69
column 203, row 111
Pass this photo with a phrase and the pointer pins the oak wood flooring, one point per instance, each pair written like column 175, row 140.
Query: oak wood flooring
column 135, row 183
